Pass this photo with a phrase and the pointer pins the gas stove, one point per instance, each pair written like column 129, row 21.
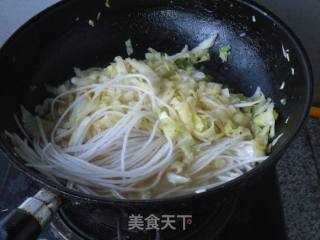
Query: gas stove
column 255, row 214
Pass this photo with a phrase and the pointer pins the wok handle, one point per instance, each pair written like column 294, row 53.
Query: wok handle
column 26, row 222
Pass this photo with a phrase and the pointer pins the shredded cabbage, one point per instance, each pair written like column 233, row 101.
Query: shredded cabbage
column 147, row 128
column 129, row 47
column 224, row 53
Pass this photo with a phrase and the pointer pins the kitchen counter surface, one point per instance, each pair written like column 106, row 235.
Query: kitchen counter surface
column 298, row 173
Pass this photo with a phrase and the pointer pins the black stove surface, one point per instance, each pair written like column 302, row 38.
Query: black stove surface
column 256, row 215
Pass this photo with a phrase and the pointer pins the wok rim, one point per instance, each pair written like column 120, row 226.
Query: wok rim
column 272, row 159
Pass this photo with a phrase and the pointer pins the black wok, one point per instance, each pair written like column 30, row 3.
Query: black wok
column 45, row 50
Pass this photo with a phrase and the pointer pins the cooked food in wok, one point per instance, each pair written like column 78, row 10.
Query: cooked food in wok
column 150, row 128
